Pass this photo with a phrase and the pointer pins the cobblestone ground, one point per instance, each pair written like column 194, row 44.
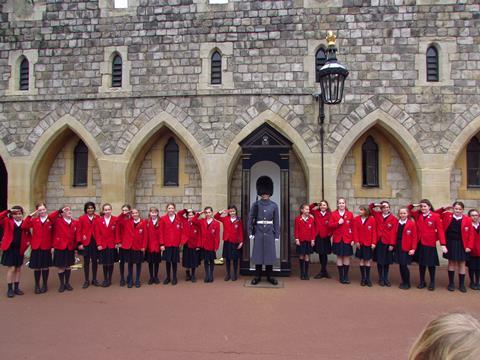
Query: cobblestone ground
column 319, row 319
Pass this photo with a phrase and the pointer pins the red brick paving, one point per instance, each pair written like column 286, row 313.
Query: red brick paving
column 319, row 319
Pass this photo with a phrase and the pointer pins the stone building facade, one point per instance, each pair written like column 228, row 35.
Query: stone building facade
column 267, row 53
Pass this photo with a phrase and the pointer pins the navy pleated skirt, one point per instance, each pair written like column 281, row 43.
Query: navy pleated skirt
column 136, row 257
column 427, row 255
column 381, row 254
column 230, row 251
column 208, row 255
column 171, row 254
column 323, row 246
column 153, row 257
column 91, row 250
column 108, row 256
column 12, row 257
column 40, row 259
column 402, row 258
column 63, row 258
column 364, row 253
column 342, row 249
column 456, row 251
column 305, row 248
column 190, row 258
column 124, row 255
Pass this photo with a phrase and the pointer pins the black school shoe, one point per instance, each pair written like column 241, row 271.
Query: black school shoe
column 166, row 281
column 95, row 283
column 422, row 285
column 272, row 281
column 431, row 286
column 10, row 293
column 68, row 287
column 255, row 281
column 105, row 283
column 86, row 284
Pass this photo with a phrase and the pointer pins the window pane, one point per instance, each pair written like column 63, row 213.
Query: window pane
column 80, row 164
column 117, row 71
column 24, row 72
column 473, row 163
column 216, row 68
column 170, row 163
column 432, row 64
column 320, row 60
column 370, row 163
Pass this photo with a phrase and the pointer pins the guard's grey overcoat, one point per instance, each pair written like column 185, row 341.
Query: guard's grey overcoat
column 264, row 243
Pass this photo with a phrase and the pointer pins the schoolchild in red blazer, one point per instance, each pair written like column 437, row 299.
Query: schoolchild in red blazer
column 406, row 241
column 323, row 243
column 41, row 226
column 210, row 229
column 14, row 243
column 383, row 253
column 123, row 251
column 304, row 234
column 191, row 240
column 232, row 239
column 474, row 262
column 341, row 224
column 365, row 236
column 171, row 233
column 429, row 230
column 105, row 233
column 64, row 245
column 88, row 244
column 153, row 253
column 459, row 234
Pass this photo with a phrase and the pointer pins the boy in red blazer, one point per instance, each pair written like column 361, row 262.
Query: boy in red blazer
column 14, row 243
column 304, row 233
column 210, row 229
column 88, row 244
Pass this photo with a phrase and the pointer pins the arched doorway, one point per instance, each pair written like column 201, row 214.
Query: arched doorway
column 266, row 152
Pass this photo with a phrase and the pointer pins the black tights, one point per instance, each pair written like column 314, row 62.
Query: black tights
column 405, row 274
column 474, row 276
column 323, row 263
column 153, row 270
column 86, row 267
column 138, row 271
column 235, row 266
column 431, row 272
column 122, row 270
column 108, row 272
column 172, row 266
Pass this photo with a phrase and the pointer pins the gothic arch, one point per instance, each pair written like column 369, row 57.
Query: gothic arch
column 471, row 129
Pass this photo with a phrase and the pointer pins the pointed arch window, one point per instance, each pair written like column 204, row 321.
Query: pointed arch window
column 320, row 60
column 117, row 71
column 370, row 173
column 170, row 163
column 24, row 74
column 432, row 64
column 473, row 163
column 80, row 164
column 216, row 68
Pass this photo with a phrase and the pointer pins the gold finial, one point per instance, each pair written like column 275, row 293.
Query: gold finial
column 331, row 38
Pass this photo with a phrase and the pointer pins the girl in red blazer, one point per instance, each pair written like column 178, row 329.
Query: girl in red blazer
column 133, row 243
column 323, row 243
column 405, row 245
column 64, row 245
column 191, row 240
column 429, row 230
column 474, row 262
column 304, row 233
column 459, row 234
column 210, row 229
column 123, row 252
column 14, row 243
column 232, row 239
column 341, row 222
column 41, row 226
column 365, row 236
column 87, row 243
column 105, row 233
column 383, row 253
column 153, row 254
column 171, row 233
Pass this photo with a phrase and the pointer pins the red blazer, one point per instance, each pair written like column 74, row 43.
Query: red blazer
column 171, row 232
column 64, row 234
column 105, row 236
column 139, row 235
column 429, row 228
column 476, row 242
column 365, row 233
column 124, row 236
column 304, row 230
column 321, row 222
column 191, row 233
column 132, row 237
column 210, row 235
column 385, row 226
column 341, row 232
column 8, row 226
column 467, row 230
column 232, row 231
column 85, row 229
column 42, row 233
column 154, row 240
column 409, row 235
